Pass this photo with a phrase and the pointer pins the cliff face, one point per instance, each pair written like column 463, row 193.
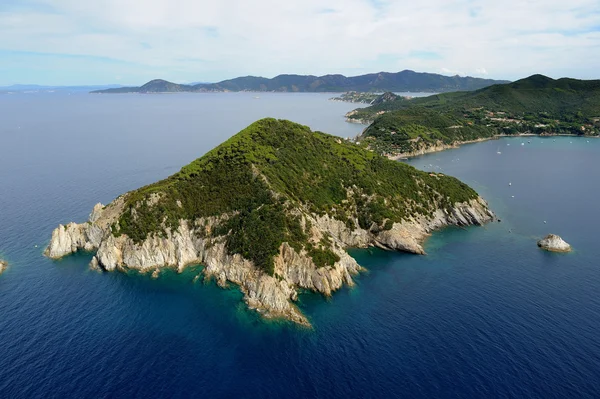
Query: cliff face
column 271, row 295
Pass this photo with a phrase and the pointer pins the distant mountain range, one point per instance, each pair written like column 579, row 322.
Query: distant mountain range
column 375, row 82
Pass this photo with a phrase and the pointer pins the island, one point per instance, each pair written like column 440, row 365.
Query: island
column 273, row 210
column 3, row 266
column 537, row 105
column 402, row 81
column 554, row 243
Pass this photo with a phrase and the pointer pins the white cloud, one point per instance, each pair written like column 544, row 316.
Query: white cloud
column 448, row 71
column 210, row 40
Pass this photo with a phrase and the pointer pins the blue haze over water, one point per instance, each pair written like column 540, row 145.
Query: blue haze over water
column 484, row 314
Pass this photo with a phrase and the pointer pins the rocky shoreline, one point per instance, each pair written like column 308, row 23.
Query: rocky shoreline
column 443, row 147
column 437, row 148
column 272, row 296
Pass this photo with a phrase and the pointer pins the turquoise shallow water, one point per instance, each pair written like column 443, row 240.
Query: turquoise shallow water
column 484, row 314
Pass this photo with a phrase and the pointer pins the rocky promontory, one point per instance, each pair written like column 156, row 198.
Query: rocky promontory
column 273, row 211
column 554, row 243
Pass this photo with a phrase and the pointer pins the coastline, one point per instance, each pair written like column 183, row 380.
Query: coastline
column 437, row 148
column 444, row 147
column 272, row 296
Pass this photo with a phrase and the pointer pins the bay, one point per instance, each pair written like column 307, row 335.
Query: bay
column 484, row 314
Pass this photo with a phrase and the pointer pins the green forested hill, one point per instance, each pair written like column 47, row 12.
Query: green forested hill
column 265, row 177
column 537, row 104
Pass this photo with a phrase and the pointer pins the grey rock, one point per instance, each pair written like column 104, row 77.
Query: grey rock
column 554, row 243
column 272, row 296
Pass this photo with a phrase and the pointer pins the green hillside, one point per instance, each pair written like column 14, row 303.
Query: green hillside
column 264, row 178
column 537, row 105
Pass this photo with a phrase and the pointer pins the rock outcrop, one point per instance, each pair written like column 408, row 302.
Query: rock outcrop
column 88, row 236
column 3, row 266
column 271, row 295
column 554, row 243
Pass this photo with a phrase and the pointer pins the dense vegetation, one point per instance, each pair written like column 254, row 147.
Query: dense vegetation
column 262, row 180
column 537, row 105
column 374, row 82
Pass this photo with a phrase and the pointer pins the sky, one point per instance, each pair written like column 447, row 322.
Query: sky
column 78, row 42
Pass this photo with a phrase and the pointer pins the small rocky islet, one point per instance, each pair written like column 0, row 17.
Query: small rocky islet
column 273, row 210
column 3, row 265
column 554, row 243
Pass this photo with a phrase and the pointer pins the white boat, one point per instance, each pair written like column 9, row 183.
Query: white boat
column 510, row 184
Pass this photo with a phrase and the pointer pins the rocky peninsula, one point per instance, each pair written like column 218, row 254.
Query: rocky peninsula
column 273, row 210
column 554, row 243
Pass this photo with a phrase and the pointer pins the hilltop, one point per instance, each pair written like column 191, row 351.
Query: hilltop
column 375, row 82
column 534, row 105
column 273, row 210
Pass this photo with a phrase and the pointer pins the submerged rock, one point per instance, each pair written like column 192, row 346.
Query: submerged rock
column 554, row 243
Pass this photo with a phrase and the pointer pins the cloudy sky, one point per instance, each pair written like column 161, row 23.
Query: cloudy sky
column 133, row 41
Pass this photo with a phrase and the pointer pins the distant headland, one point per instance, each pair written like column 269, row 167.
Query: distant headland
column 537, row 105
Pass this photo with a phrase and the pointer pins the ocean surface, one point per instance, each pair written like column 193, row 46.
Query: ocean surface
column 485, row 314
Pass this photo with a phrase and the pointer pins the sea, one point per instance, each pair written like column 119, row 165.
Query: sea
column 485, row 314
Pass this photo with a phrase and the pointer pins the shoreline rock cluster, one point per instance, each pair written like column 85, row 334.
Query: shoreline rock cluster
column 271, row 295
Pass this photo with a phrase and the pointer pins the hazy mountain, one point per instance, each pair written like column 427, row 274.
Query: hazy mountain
column 375, row 82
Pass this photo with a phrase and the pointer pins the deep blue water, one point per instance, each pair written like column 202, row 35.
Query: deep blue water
column 484, row 314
